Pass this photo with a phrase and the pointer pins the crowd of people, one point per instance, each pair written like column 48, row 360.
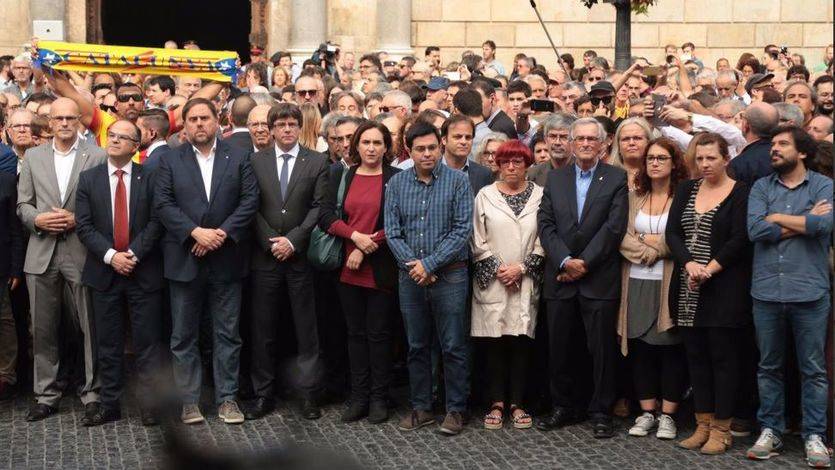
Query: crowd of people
column 580, row 237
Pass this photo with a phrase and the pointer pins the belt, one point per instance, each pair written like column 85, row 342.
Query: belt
column 453, row 266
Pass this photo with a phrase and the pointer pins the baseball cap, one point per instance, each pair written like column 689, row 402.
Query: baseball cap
column 437, row 83
column 602, row 87
column 756, row 79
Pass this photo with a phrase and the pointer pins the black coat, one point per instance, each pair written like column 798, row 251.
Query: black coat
column 725, row 299
column 479, row 176
column 383, row 264
column 241, row 140
column 12, row 248
column 502, row 123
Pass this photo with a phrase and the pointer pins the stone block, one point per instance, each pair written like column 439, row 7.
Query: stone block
column 730, row 35
column 441, row 34
column 678, row 34
column 707, row 11
column 805, row 10
column 587, row 34
column 665, row 11
column 602, row 14
column 568, row 10
column 644, row 35
column 427, row 10
column 817, row 34
column 790, row 34
column 532, row 35
column 511, row 10
column 473, row 10
column 501, row 34
column 753, row 11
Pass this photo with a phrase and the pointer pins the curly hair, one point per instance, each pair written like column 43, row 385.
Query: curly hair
column 679, row 173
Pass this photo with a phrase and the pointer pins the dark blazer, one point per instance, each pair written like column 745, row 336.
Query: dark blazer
column 294, row 217
column 539, row 173
column 480, row 176
column 502, row 123
column 12, row 248
column 240, row 139
column 182, row 206
column 595, row 240
column 725, row 299
column 152, row 159
column 752, row 163
column 383, row 264
column 94, row 216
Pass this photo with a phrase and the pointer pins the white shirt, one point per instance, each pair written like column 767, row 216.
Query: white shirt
column 649, row 224
column 63, row 167
column 291, row 162
column 114, row 182
column 701, row 123
column 238, row 130
column 206, row 163
column 154, row 146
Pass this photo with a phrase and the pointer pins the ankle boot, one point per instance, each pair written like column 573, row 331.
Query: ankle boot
column 720, row 437
column 702, row 433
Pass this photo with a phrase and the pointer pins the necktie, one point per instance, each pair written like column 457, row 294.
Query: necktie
column 283, row 178
column 121, row 231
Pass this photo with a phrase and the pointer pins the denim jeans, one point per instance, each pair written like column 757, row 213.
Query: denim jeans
column 444, row 305
column 808, row 322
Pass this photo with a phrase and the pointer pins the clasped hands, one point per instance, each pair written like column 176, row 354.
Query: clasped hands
column 56, row 221
column 510, row 275
column 123, row 263
column 419, row 274
column 281, row 248
column 206, row 240
column 697, row 274
column 572, row 270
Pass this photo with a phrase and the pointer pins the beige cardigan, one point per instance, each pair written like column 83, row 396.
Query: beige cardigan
column 633, row 251
column 497, row 231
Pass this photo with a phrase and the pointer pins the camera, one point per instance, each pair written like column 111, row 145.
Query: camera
column 327, row 53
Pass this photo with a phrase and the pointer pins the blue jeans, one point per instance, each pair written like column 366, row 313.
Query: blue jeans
column 808, row 322
column 444, row 304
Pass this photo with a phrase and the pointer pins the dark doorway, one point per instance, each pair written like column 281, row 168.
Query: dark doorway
column 214, row 24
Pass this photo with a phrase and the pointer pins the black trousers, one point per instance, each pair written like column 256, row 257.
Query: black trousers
column 712, row 357
column 368, row 316
column 145, row 313
column 658, row 371
column 332, row 334
column 295, row 280
column 599, row 319
column 507, row 367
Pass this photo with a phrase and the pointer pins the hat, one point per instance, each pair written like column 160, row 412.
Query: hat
column 437, row 83
column 603, row 87
column 756, row 79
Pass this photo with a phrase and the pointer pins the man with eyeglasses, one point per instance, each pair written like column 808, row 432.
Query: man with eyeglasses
column 405, row 67
column 582, row 220
column 823, row 88
column 602, row 94
column 258, row 127
column 23, row 84
column 55, row 256
column 343, row 130
column 117, row 224
column 19, row 128
column 309, row 90
column 398, row 103
column 555, row 131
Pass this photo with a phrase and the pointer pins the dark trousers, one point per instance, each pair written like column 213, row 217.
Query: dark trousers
column 658, row 371
column 296, row 281
column 507, row 367
column 146, row 332
column 368, row 315
column 599, row 320
column 332, row 334
column 712, row 358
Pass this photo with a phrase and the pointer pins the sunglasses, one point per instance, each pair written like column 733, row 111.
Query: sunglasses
column 596, row 100
column 385, row 109
column 137, row 98
column 306, row 92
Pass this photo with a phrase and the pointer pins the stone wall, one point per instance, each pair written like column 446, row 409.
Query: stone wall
column 16, row 22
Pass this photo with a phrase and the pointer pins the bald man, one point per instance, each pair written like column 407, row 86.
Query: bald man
column 757, row 123
column 259, row 128
column 55, row 256
column 238, row 114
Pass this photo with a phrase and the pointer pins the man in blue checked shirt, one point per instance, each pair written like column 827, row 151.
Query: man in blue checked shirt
column 428, row 221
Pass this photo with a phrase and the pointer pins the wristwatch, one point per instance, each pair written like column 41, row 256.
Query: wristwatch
column 641, row 236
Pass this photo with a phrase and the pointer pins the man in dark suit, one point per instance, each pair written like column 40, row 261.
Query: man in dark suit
column 555, row 130
column 496, row 119
column 206, row 196
column 582, row 220
column 457, row 137
column 293, row 181
column 238, row 114
column 117, row 225
column 154, row 126
column 11, row 274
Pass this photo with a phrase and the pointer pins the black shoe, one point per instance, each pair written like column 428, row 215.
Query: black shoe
column 558, row 418
column 378, row 412
column 310, row 410
column 40, row 411
column 149, row 417
column 102, row 416
column 356, row 411
column 259, row 408
column 603, row 427
column 90, row 410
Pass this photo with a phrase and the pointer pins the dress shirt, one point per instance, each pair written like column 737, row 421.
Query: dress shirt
column 795, row 269
column 154, row 146
column 279, row 160
column 582, row 182
column 429, row 222
column 114, row 181
column 206, row 164
column 702, row 123
column 63, row 167
column 465, row 168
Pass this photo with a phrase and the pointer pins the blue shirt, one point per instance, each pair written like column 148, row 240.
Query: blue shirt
column 795, row 269
column 429, row 222
column 582, row 182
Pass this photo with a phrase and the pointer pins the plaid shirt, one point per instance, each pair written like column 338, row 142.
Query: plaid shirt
column 429, row 222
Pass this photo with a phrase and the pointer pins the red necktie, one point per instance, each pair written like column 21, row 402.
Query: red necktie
column 121, row 231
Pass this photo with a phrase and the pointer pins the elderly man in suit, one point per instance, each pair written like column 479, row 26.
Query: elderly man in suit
column 582, row 220
column 117, row 224
column 293, row 180
column 55, row 256
column 206, row 196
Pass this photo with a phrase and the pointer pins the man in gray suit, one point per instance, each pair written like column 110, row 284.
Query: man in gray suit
column 55, row 256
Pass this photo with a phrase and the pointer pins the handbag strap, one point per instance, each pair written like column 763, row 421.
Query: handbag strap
column 340, row 193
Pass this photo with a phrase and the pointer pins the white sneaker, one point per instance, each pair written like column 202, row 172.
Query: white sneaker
column 817, row 455
column 643, row 424
column 666, row 427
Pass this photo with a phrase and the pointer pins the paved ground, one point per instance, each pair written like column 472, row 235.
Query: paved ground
column 61, row 442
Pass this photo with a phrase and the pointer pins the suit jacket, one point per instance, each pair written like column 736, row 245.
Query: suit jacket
column 11, row 232
column 37, row 192
column 294, row 216
column 240, row 139
column 153, row 158
column 502, row 123
column 383, row 264
column 480, row 176
column 182, row 206
column 539, row 173
column 94, row 215
column 595, row 238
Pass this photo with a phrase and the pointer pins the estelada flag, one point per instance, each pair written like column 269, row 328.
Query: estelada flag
column 212, row 65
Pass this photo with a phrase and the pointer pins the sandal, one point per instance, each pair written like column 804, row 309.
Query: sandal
column 492, row 421
column 522, row 420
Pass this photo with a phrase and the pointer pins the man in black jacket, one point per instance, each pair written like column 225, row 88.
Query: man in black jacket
column 496, row 119
column 758, row 121
column 11, row 274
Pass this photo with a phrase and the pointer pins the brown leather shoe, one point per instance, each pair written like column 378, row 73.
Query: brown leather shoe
column 453, row 423
column 701, row 434
column 416, row 420
column 720, row 437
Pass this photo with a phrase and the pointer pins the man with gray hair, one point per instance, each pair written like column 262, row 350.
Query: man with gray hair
column 726, row 84
column 555, row 132
column 582, row 220
column 756, row 124
column 789, row 114
column 727, row 109
column 398, row 103
column 23, row 85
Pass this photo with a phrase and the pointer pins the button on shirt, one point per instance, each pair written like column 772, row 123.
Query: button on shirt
column 206, row 164
column 63, row 167
column 794, row 269
column 429, row 222
column 114, row 181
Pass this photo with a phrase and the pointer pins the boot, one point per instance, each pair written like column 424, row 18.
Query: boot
column 720, row 437
column 701, row 434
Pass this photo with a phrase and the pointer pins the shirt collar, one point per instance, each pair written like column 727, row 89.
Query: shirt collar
column 111, row 168
column 775, row 177
column 493, row 116
column 294, row 152
column 436, row 172
column 590, row 172
column 72, row 149
column 465, row 168
column 154, row 146
column 211, row 152
column 238, row 130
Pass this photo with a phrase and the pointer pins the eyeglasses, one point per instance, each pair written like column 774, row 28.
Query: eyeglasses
column 657, row 159
column 385, row 109
column 585, row 138
column 306, row 92
column 125, row 98
column 288, row 125
column 512, row 161
column 21, row 127
column 596, row 100
column 594, row 79
column 114, row 137
column 69, row 119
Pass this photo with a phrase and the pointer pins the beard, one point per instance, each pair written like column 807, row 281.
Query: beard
column 784, row 166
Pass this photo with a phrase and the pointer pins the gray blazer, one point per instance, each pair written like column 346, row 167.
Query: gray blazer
column 37, row 192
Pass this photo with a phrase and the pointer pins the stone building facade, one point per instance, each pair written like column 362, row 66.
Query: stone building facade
column 719, row 28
